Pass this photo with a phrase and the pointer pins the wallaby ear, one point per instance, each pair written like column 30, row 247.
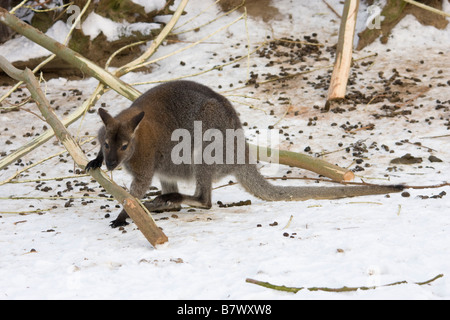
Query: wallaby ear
column 106, row 117
column 136, row 120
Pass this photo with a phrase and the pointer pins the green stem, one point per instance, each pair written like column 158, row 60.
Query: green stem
column 342, row 289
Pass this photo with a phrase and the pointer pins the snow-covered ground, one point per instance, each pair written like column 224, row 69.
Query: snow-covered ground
column 70, row 252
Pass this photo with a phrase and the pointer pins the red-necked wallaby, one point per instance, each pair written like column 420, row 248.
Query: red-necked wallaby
column 140, row 138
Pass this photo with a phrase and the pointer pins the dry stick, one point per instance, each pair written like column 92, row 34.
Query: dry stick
column 155, row 44
column 134, row 208
column 424, row 6
column 68, row 55
column 304, row 161
column 54, row 197
column 342, row 289
column 18, row 172
column 50, row 58
column 61, row 178
column 344, row 51
column 436, row 137
column 332, row 9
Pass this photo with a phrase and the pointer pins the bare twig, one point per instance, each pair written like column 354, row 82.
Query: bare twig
column 332, row 9
column 342, row 289
column 51, row 57
column 424, row 6
column 67, row 54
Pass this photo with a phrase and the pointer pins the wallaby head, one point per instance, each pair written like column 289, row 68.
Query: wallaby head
column 119, row 140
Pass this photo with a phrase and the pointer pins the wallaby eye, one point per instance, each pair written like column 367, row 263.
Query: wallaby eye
column 124, row 147
column 106, row 145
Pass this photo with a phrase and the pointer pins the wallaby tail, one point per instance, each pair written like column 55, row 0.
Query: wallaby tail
column 254, row 182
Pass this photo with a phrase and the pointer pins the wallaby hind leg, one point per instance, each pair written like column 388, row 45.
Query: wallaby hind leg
column 167, row 187
column 170, row 201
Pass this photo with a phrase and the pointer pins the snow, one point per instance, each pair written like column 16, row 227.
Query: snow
column 70, row 252
column 96, row 24
column 24, row 49
column 150, row 6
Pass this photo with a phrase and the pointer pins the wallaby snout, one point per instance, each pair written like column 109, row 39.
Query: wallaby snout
column 111, row 164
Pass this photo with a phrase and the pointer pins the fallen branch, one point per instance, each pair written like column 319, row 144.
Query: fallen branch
column 68, row 55
column 48, row 134
column 332, row 9
column 24, row 213
column 342, row 289
column 134, row 208
column 304, row 161
column 50, row 58
column 431, row 9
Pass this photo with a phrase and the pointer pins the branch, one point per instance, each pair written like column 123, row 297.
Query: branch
column 68, row 55
column 50, row 58
column 342, row 289
column 48, row 134
column 156, row 43
column 304, row 161
column 134, row 208
column 424, row 6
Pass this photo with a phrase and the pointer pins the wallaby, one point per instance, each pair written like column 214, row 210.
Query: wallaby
column 140, row 138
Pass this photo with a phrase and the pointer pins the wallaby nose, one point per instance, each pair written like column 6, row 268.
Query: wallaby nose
column 111, row 164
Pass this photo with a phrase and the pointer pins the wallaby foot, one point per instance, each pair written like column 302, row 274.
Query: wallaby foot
column 166, row 202
column 120, row 220
column 173, row 201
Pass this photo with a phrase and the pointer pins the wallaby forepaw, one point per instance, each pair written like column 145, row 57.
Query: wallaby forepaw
column 118, row 223
column 93, row 164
